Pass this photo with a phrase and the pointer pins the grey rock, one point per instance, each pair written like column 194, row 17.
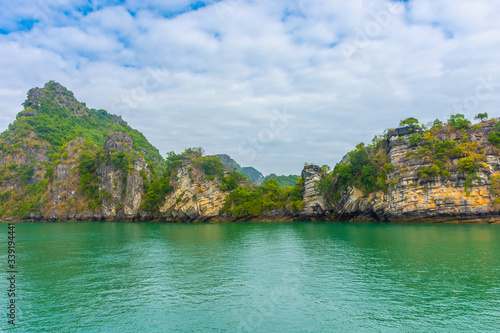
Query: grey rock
column 118, row 142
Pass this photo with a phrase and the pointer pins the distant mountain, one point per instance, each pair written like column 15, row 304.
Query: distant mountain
column 253, row 174
column 283, row 181
column 227, row 160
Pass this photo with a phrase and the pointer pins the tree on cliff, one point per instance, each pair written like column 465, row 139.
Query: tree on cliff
column 481, row 116
column 459, row 121
column 409, row 122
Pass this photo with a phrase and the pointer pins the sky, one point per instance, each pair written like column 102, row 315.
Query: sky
column 273, row 84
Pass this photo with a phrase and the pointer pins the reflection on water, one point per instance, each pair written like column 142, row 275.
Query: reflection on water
column 257, row 277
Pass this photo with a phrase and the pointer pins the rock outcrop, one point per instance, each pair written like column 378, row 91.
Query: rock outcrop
column 194, row 198
column 429, row 199
column 118, row 142
column 314, row 204
column 122, row 189
column 62, row 196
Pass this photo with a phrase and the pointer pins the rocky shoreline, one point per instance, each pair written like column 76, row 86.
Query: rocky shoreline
column 270, row 216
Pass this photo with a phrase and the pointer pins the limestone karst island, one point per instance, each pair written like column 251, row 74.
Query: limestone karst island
column 61, row 161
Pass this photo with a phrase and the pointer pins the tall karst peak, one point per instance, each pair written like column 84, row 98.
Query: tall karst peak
column 56, row 94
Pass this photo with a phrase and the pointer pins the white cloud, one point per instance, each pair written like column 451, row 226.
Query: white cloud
column 216, row 76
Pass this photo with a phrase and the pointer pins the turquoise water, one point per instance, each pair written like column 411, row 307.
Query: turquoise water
column 255, row 277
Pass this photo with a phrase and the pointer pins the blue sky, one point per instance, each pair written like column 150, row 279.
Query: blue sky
column 274, row 84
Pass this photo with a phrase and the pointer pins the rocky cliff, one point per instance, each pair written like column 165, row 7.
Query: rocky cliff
column 194, row 197
column 55, row 193
column 122, row 189
column 61, row 161
column 314, row 203
column 434, row 176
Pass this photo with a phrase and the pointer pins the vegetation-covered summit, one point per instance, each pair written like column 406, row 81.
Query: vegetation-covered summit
column 52, row 116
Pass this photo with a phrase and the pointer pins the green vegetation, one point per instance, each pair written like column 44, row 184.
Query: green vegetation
column 51, row 118
column 244, row 201
column 495, row 190
column 366, row 169
column 156, row 192
column 459, row 122
column 62, row 118
column 415, row 139
column 283, row 181
column 251, row 173
column 369, row 169
column 160, row 184
column 27, row 200
column 230, row 182
column 42, row 140
column 440, row 153
column 409, row 122
column 89, row 181
column 494, row 136
column 211, row 166
column 481, row 116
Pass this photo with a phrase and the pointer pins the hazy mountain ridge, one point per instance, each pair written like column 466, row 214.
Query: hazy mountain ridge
column 256, row 176
column 251, row 173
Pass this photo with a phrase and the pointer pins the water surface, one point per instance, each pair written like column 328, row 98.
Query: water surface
column 256, row 277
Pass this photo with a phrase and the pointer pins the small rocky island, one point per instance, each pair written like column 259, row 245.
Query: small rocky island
column 61, row 161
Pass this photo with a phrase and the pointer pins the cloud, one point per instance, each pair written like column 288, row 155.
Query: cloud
column 215, row 74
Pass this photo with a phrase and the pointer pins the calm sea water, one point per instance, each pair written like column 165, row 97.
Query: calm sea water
column 255, row 277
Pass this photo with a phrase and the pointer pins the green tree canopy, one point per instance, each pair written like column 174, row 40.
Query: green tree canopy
column 409, row 122
column 459, row 121
column 481, row 116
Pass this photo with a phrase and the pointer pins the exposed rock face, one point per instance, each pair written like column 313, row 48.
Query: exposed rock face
column 433, row 199
column 118, row 142
column 65, row 169
column 63, row 201
column 194, row 198
column 313, row 201
column 34, row 98
column 122, row 191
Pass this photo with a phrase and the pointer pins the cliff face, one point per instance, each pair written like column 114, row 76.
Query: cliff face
column 60, row 196
column 314, row 203
column 61, row 161
column 194, row 198
column 123, row 189
column 433, row 198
